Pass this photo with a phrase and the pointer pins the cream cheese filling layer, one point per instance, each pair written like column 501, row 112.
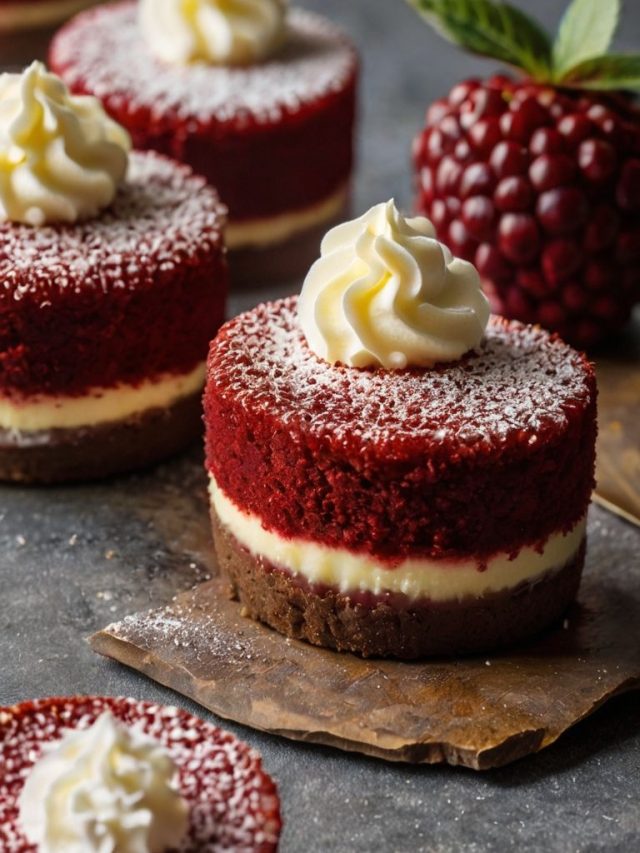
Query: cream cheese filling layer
column 98, row 405
column 437, row 580
column 276, row 229
column 22, row 16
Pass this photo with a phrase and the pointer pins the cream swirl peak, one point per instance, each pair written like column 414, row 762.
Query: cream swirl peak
column 225, row 32
column 61, row 156
column 385, row 293
column 104, row 789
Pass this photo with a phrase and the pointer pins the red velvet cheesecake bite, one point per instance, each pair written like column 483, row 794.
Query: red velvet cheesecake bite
column 77, row 773
column 111, row 287
column 259, row 102
column 387, row 476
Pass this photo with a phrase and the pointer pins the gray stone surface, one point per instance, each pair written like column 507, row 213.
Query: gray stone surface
column 74, row 559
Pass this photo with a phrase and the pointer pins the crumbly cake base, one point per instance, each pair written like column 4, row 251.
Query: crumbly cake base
column 95, row 452
column 333, row 620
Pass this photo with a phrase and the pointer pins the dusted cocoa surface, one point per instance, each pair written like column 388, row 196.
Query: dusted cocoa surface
column 75, row 559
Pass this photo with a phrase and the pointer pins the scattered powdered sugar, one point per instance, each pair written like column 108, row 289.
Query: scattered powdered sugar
column 519, row 381
column 104, row 52
column 163, row 216
column 186, row 626
column 233, row 804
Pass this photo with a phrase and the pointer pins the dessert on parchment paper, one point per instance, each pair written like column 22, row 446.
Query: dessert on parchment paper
column 391, row 472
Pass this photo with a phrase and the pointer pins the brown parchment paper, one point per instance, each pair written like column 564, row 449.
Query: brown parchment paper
column 479, row 712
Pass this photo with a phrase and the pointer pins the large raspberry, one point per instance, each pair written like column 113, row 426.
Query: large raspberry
column 538, row 185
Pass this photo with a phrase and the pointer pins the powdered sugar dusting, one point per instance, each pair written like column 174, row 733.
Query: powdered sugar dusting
column 162, row 216
column 519, row 382
column 233, row 803
column 103, row 51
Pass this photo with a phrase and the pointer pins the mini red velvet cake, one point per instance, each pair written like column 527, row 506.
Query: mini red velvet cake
column 105, row 319
column 274, row 136
column 227, row 801
column 430, row 500
column 26, row 26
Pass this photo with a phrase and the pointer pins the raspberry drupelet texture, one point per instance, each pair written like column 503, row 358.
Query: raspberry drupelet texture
column 540, row 188
column 134, row 294
column 233, row 803
column 271, row 138
column 488, row 454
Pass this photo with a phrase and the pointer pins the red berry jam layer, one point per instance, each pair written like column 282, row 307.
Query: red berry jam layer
column 485, row 455
column 233, row 803
column 272, row 138
column 134, row 294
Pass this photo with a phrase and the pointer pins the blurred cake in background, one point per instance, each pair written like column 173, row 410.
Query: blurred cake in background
column 26, row 26
column 258, row 99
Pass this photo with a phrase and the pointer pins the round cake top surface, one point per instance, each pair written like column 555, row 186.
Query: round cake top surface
column 233, row 804
column 516, row 389
column 103, row 52
column 163, row 215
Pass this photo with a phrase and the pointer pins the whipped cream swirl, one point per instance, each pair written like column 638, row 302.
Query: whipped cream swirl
column 61, row 156
column 225, row 32
column 106, row 789
column 385, row 293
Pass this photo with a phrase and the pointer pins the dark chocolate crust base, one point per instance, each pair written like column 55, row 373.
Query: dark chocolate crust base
column 90, row 453
column 278, row 263
column 333, row 620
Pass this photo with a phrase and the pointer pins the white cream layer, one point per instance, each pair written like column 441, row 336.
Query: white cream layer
column 277, row 229
column 99, row 405
column 437, row 580
column 23, row 16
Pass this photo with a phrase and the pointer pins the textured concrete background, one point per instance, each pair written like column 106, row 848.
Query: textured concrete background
column 74, row 559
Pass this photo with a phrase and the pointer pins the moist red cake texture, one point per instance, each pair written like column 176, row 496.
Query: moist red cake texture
column 233, row 803
column 290, row 118
column 135, row 293
column 490, row 454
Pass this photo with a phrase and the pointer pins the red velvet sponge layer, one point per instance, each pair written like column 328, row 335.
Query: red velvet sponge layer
column 272, row 138
column 488, row 454
column 138, row 292
column 233, row 804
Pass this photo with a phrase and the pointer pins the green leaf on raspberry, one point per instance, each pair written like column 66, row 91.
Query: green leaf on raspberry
column 494, row 29
column 614, row 71
column 585, row 31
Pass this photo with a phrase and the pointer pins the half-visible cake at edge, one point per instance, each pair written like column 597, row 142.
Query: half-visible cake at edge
column 386, row 475
column 260, row 102
column 110, row 290
column 94, row 773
